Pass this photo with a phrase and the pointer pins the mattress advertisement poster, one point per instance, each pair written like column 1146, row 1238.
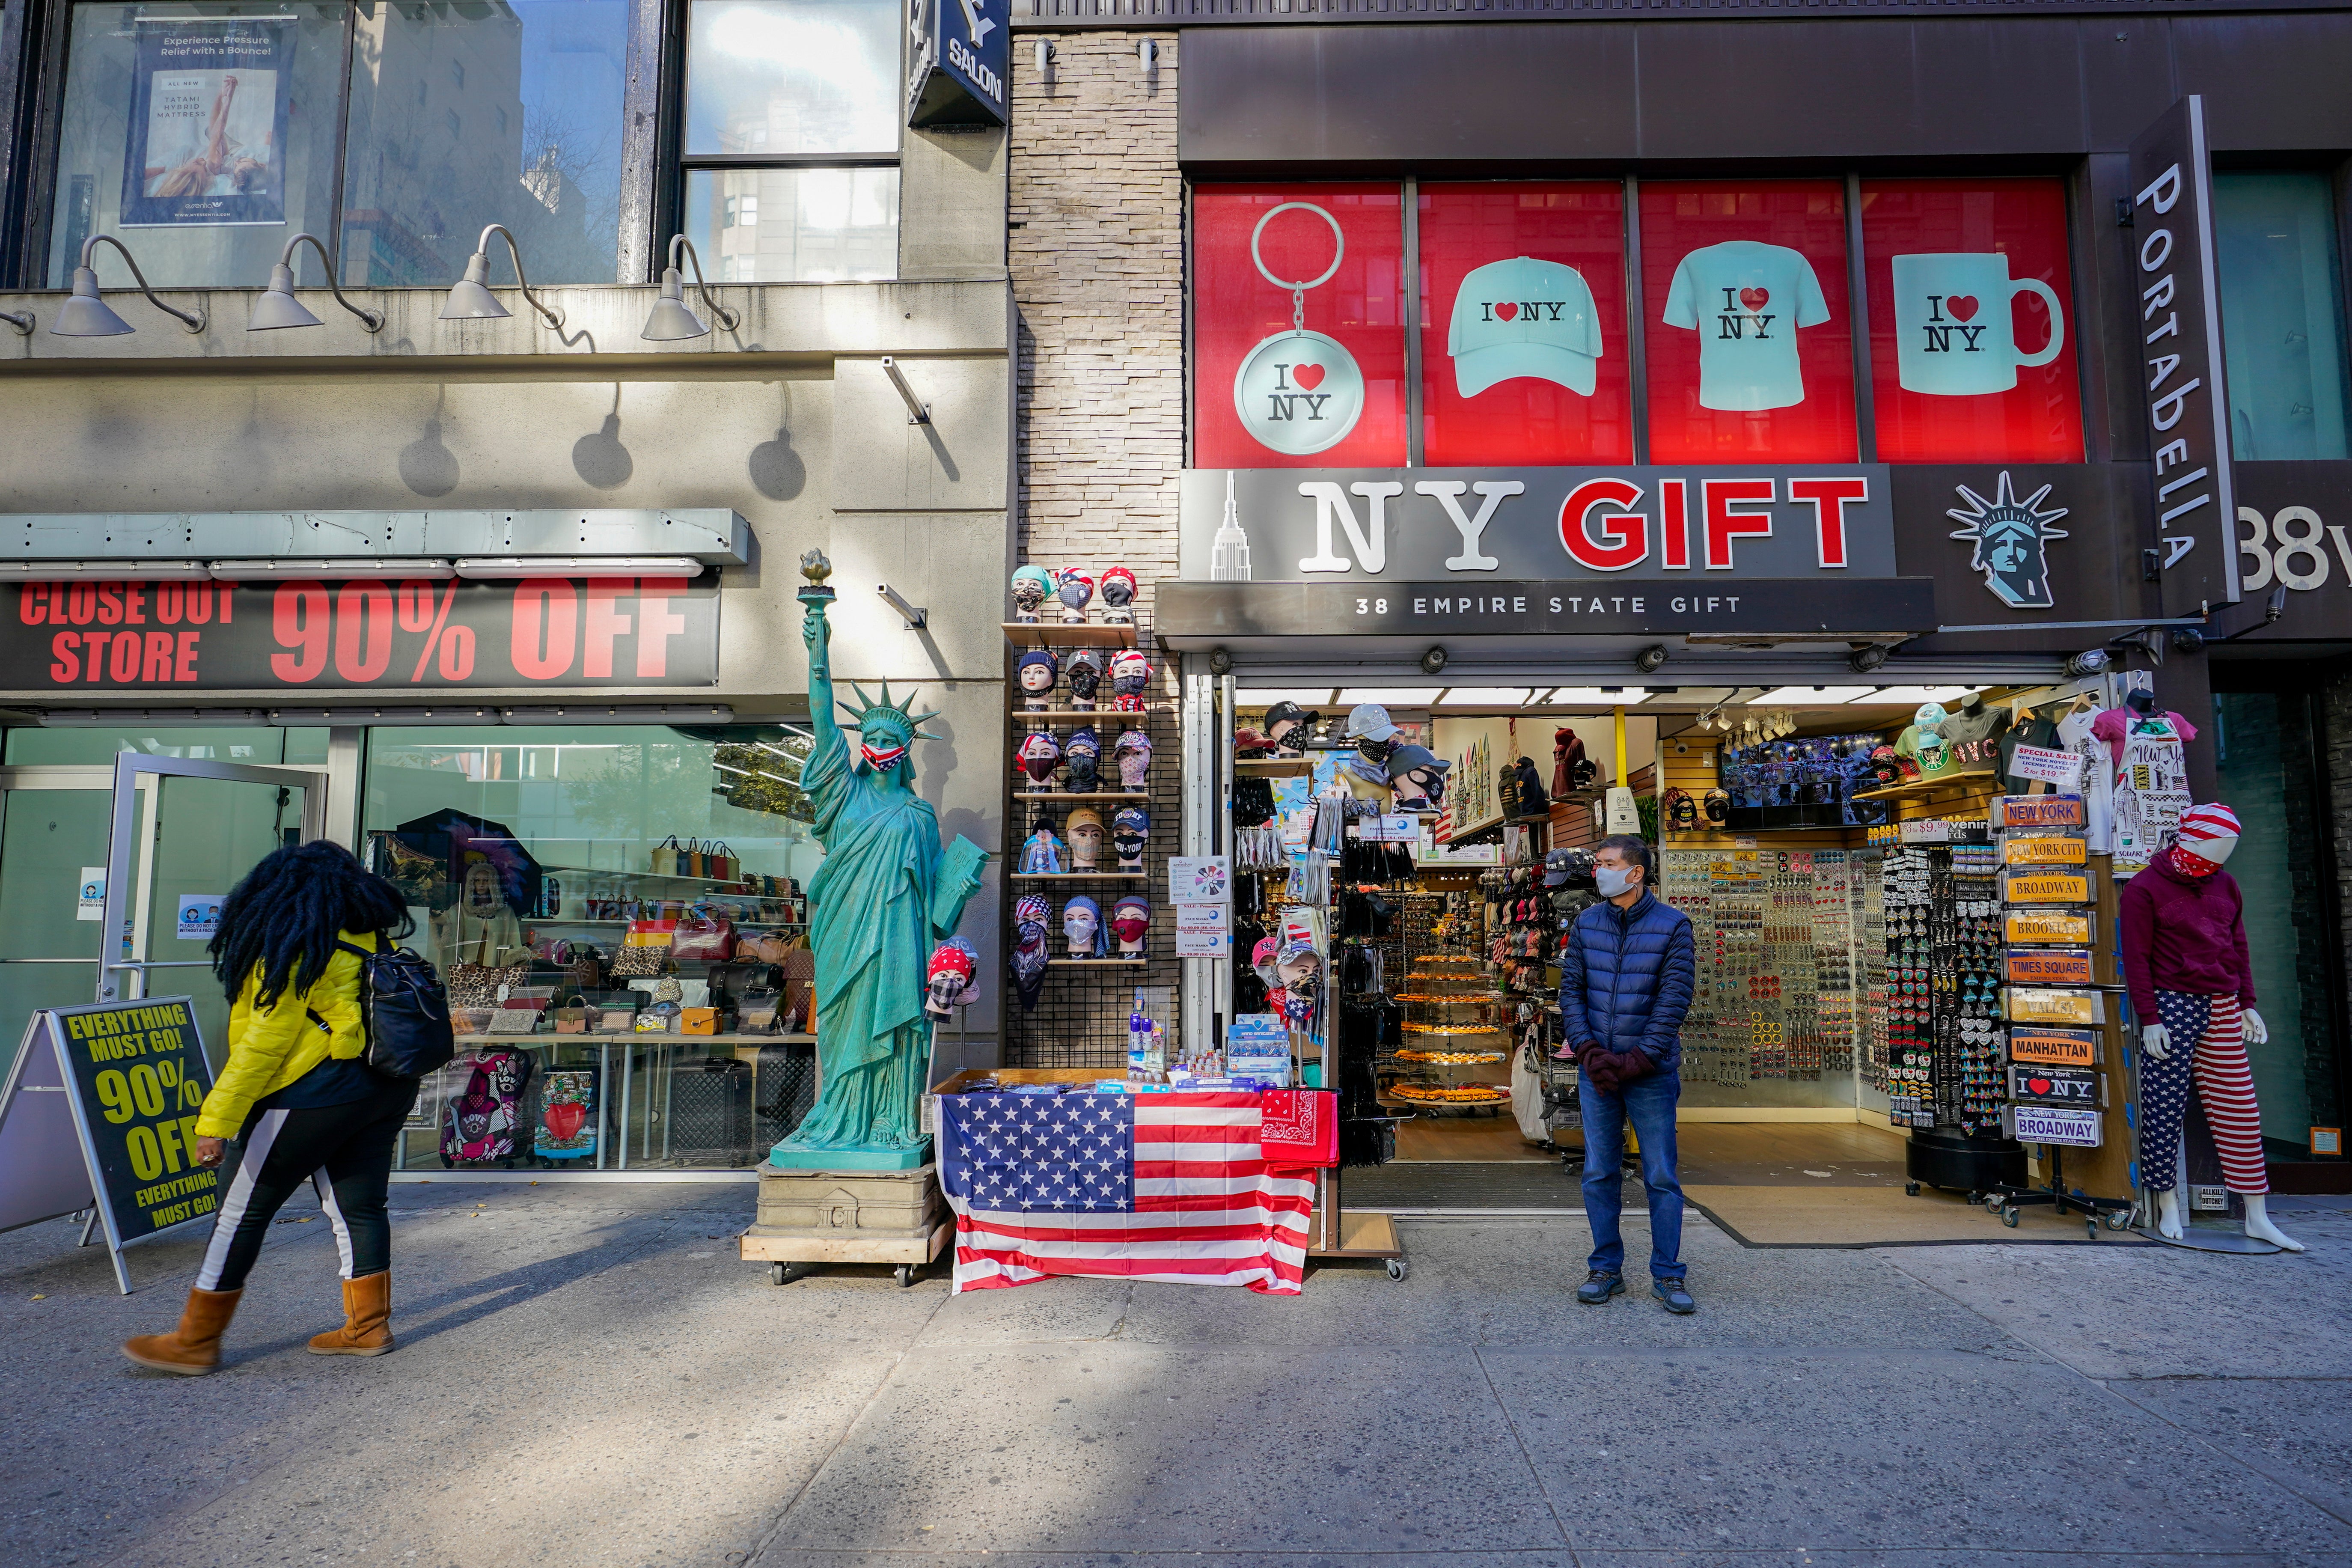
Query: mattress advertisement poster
column 208, row 113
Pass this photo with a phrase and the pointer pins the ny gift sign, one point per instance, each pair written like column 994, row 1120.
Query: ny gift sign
column 420, row 633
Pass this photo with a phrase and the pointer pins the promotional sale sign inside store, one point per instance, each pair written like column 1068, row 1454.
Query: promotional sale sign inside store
column 1750, row 332
column 1298, row 325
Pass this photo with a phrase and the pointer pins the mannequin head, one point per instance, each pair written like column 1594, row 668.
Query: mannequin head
column 2207, row 836
column 1081, row 924
column 1086, row 676
column 1038, row 670
column 1086, row 838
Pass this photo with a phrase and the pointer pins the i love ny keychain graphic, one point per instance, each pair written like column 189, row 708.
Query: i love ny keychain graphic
column 1298, row 391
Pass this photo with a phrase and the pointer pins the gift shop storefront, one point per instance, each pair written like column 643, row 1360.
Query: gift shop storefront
column 1790, row 490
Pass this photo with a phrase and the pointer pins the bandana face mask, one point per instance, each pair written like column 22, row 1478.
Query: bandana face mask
column 939, row 998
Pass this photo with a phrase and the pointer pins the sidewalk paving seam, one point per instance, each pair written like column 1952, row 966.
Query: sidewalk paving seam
column 1503, row 1406
column 873, row 1397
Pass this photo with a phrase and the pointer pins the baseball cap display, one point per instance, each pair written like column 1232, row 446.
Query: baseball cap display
column 1524, row 317
column 1369, row 721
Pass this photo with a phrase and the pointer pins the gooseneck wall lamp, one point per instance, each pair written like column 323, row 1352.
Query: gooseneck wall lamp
column 672, row 319
column 277, row 306
column 470, row 298
column 85, row 314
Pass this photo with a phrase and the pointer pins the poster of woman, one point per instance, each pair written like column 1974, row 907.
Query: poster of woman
column 208, row 123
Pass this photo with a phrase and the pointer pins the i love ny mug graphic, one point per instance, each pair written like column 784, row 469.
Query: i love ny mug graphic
column 1955, row 332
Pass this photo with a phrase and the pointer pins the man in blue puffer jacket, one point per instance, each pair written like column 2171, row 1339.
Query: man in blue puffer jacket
column 1626, row 974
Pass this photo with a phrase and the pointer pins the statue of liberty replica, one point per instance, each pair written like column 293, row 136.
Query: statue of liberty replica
column 886, row 896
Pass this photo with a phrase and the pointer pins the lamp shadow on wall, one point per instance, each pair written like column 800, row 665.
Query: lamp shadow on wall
column 427, row 466
column 598, row 457
column 777, row 471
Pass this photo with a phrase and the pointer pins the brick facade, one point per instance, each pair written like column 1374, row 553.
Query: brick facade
column 1096, row 251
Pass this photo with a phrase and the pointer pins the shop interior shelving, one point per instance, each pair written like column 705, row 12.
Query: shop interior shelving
column 1977, row 778
column 1273, row 767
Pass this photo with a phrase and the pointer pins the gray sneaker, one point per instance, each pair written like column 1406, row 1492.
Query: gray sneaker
column 1598, row 1286
column 1676, row 1299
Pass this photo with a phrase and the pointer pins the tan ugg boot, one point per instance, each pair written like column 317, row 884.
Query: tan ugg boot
column 367, row 1318
column 193, row 1349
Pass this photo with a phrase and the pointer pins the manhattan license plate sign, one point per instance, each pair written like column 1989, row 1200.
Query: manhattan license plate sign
column 564, row 633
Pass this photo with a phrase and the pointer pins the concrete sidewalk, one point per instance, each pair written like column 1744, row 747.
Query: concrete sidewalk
column 587, row 1376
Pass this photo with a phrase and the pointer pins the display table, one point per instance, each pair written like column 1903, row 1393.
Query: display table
column 1172, row 1187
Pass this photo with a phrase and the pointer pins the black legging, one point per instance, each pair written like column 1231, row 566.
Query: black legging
column 343, row 1150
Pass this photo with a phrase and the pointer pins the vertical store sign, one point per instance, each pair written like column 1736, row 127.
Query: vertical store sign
column 958, row 55
column 2179, row 328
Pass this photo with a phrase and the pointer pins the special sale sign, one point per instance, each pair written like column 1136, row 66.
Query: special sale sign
column 419, row 633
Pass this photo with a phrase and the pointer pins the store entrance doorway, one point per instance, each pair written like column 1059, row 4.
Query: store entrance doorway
column 53, row 827
column 181, row 832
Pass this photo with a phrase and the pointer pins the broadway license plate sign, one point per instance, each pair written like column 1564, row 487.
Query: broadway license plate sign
column 88, row 637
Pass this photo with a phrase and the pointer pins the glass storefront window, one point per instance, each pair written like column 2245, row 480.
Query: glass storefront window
column 785, row 77
column 205, row 135
column 616, row 1008
column 2263, row 748
column 31, row 745
column 202, row 136
column 2283, row 319
column 794, row 225
column 463, row 116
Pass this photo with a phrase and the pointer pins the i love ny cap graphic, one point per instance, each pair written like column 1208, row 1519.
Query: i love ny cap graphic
column 1524, row 318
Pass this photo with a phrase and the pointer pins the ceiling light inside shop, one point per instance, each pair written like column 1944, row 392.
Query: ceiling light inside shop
column 1808, row 696
column 1390, row 696
column 1913, row 696
column 1486, row 696
column 508, row 566
column 1306, row 697
column 1596, row 696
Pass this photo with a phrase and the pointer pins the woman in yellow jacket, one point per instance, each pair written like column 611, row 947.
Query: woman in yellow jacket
column 296, row 1102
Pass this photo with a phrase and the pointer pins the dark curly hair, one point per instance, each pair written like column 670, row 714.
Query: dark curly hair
column 283, row 918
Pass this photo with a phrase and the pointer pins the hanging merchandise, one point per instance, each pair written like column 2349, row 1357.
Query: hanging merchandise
column 1298, row 391
column 1029, row 954
column 1119, row 596
column 1035, row 672
column 1311, row 880
column 1130, row 920
column 1133, row 752
column 1085, row 826
column 1083, row 930
column 2149, row 782
column 1085, row 673
column 948, row 978
column 1041, row 853
column 1568, row 762
column 1031, row 586
column 1131, row 831
column 1040, row 754
column 1130, row 676
column 1082, row 760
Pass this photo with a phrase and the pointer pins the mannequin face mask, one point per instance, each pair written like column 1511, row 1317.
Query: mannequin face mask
column 1086, row 679
column 1078, row 928
column 1086, row 841
column 1128, row 842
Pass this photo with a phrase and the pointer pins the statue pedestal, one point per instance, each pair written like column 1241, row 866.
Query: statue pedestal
column 817, row 1216
column 783, row 1159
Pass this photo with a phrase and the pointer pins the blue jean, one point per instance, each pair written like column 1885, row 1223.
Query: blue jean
column 1648, row 1102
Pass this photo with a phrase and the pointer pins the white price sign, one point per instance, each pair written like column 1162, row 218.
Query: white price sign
column 1200, row 879
column 2064, row 769
column 1203, row 931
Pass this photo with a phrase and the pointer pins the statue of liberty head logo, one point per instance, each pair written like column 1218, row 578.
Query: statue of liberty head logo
column 2013, row 539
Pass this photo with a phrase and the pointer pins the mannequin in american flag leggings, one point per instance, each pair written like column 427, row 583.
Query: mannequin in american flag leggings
column 2192, row 989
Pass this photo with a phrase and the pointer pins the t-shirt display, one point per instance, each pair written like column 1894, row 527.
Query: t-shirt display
column 1746, row 300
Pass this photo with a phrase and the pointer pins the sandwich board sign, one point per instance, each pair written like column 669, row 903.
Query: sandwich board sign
column 98, row 1109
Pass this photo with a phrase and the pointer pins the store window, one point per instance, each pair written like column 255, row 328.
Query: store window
column 205, row 135
column 792, row 140
column 102, row 744
column 1749, row 329
column 1523, row 352
column 2264, row 750
column 620, row 914
column 2283, row 315
column 1298, row 326
column 1971, row 322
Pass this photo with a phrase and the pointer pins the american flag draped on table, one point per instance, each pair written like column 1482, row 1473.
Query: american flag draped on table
column 1138, row 1186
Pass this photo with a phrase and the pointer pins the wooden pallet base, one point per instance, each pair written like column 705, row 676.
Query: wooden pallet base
column 781, row 1246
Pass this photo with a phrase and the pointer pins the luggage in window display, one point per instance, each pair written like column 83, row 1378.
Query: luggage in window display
column 567, row 1116
column 710, row 1116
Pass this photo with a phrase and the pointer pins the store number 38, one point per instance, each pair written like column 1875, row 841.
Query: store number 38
column 2291, row 548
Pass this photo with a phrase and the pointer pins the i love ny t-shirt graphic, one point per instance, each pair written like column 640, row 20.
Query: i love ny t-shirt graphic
column 1746, row 300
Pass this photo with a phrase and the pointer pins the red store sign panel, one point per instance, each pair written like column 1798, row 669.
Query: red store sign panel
column 564, row 633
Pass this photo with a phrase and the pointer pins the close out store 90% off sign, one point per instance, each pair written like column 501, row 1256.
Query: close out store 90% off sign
column 561, row 632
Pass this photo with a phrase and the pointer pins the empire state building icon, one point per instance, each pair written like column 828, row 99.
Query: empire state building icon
column 1229, row 556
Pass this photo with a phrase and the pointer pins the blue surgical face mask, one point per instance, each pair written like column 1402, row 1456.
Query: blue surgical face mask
column 1612, row 880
